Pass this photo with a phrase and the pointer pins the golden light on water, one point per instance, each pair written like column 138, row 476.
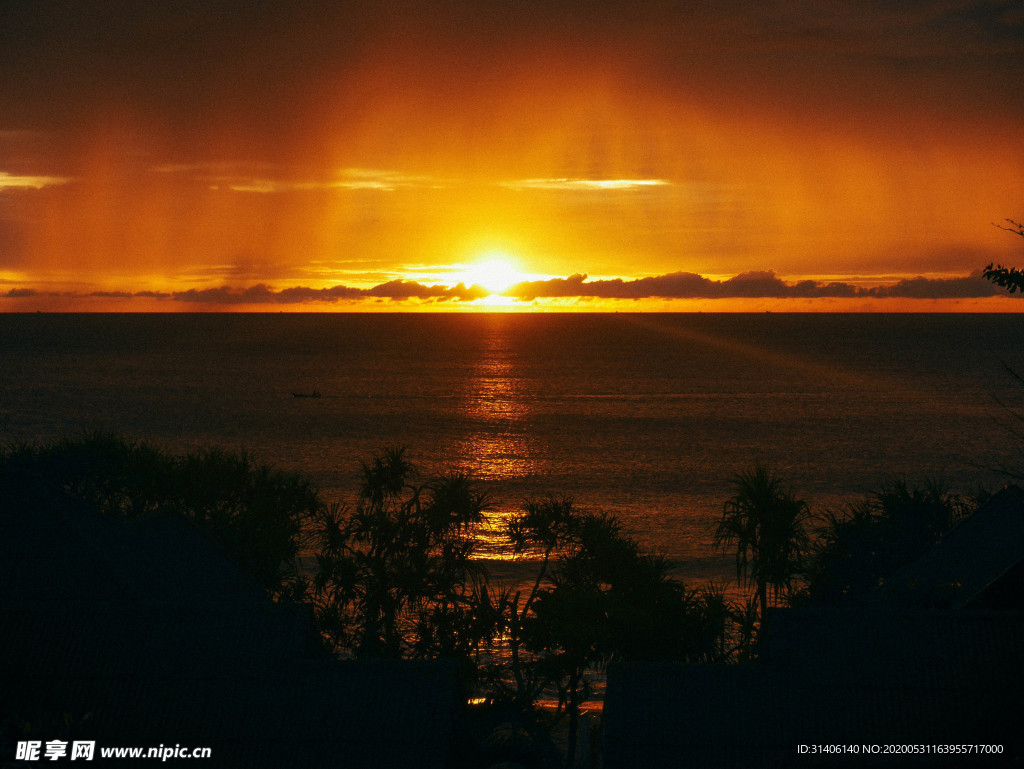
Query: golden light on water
column 497, row 407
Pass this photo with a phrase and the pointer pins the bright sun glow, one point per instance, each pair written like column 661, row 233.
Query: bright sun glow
column 495, row 272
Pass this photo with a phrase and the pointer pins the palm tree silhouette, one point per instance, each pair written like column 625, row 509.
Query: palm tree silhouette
column 768, row 526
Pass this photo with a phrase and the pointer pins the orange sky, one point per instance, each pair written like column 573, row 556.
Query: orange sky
column 149, row 154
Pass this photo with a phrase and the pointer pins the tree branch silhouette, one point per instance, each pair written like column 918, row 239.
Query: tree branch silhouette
column 1010, row 278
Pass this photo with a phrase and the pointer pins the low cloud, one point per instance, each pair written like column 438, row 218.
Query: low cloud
column 258, row 294
column 678, row 285
column 748, row 285
column 971, row 287
column 261, row 293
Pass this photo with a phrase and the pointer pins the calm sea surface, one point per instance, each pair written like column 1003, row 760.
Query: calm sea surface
column 645, row 416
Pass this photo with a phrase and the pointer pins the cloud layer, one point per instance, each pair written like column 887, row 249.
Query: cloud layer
column 678, row 285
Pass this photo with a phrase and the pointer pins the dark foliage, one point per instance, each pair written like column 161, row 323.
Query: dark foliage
column 395, row 574
column 859, row 551
column 1010, row 278
column 597, row 597
column 255, row 513
column 768, row 525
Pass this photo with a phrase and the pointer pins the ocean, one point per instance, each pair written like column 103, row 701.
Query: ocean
column 645, row 416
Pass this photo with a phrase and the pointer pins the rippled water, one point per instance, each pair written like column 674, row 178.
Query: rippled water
column 646, row 416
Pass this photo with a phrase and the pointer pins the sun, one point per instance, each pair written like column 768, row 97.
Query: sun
column 494, row 272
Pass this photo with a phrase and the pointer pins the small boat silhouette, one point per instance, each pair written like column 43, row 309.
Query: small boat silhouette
column 314, row 394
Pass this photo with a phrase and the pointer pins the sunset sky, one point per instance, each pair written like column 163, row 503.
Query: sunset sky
column 260, row 155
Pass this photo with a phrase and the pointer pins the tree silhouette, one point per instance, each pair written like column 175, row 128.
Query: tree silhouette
column 549, row 526
column 256, row 513
column 395, row 572
column 768, row 527
column 858, row 552
column 598, row 597
column 1011, row 278
column 395, row 575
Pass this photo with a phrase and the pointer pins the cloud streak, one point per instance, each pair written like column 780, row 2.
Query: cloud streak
column 268, row 178
column 14, row 182
column 388, row 181
column 347, row 179
column 583, row 185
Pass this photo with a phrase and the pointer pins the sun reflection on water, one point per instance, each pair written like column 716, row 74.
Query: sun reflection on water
column 497, row 445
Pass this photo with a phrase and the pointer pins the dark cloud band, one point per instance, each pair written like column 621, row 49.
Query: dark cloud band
column 677, row 285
